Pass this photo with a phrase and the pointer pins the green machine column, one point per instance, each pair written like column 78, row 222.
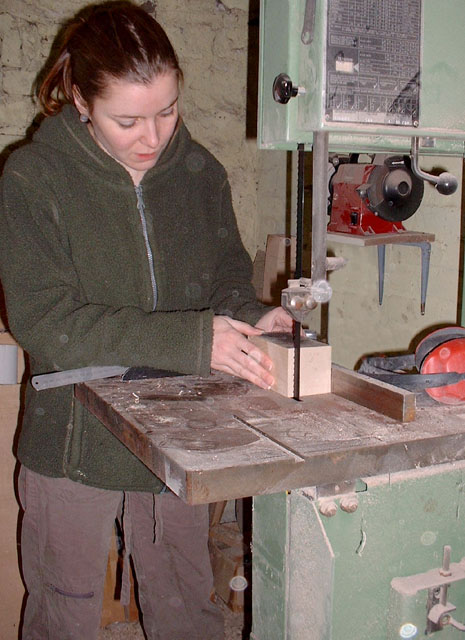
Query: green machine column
column 363, row 573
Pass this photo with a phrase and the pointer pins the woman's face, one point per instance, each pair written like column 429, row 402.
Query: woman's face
column 134, row 122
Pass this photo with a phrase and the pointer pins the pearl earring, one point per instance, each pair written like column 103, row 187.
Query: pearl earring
column 84, row 118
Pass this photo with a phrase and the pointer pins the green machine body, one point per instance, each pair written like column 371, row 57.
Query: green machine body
column 373, row 76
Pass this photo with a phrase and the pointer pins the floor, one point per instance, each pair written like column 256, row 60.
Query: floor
column 234, row 623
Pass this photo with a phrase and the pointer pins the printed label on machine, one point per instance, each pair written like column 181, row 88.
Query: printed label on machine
column 373, row 61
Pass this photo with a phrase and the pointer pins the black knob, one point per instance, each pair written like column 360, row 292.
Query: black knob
column 446, row 184
column 283, row 89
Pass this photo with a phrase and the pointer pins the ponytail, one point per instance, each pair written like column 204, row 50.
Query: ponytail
column 56, row 89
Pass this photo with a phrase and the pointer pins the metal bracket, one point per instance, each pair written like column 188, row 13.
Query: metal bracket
column 303, row 295
column 436, row 582
column 425, row 260
column 438, row 609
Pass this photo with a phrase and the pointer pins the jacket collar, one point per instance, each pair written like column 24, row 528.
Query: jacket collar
column 67, row 135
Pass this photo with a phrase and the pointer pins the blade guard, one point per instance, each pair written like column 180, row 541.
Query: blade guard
column 303, row 295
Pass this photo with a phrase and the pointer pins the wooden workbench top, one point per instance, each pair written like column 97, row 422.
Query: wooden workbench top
column 220, row 437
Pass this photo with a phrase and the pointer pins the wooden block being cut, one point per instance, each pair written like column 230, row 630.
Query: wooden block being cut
column 315, row 364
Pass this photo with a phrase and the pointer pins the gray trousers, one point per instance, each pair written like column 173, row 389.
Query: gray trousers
column 65, row 538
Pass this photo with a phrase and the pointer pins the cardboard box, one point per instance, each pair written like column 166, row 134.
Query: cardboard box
column 315, row 364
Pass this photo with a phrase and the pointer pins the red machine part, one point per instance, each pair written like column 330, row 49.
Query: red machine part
column 445, row 358
column 373, row 198
column 350, row 212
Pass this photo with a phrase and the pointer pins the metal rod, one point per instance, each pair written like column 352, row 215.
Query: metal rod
column 445, row 571
column 425, row 258
column 381, row 264
column 300, row 211
column 319, row 205
column 296, row 328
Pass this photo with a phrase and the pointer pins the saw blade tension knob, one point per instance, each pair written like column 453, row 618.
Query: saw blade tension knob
column 284, row 89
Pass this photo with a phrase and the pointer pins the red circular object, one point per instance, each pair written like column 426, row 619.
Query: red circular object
column 448, row 357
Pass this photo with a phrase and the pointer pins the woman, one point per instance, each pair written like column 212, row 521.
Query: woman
column 118, row 246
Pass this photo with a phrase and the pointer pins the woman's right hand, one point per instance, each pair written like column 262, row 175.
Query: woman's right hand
column 234, row 354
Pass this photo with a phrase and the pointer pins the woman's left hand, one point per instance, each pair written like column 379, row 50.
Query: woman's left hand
column 277, row 319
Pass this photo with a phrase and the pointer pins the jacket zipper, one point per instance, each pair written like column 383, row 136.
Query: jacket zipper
column 148, row 248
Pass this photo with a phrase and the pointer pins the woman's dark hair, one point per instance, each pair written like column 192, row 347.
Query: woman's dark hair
column 112, row 40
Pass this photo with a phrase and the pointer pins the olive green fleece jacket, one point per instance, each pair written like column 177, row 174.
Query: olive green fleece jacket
column 76, row 247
